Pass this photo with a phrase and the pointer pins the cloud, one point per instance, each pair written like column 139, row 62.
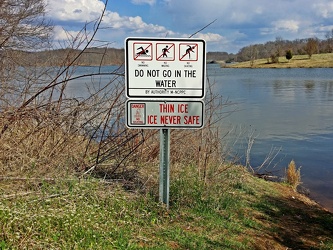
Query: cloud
column 62, row 35
column 239, row 23
column 325, row 29
column 132, row 24
column 323, row 9
column 74, row 10
column 286, row 25
column 150, row 2
column 211, row 37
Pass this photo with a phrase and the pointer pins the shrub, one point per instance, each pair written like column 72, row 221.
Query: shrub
column 275, row 58
column 289, row 54
column 293, row 175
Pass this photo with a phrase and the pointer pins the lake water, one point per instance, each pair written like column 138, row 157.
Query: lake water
column 290, row 110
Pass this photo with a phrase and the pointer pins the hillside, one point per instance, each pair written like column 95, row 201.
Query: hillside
column 298, row 61
column 89, row 57
column 93, row 56
column 235, row 211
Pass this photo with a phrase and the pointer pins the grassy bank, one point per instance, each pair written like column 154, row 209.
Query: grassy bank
column 72, row 176
column 235, row 211
column 298, row 61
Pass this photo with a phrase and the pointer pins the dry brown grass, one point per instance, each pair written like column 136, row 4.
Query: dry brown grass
column 44, row 149
column 64, row 138
column 44, row 132
column 293, row 175
column 61, row 137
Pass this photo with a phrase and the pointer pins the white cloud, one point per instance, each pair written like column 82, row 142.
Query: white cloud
column 132, row 24
column 75, row 10
column 283, row 28
column 211, row 37
column 325, row 29
column 239, row 23
column 324, row 10
column 150, row 2
column 62, row 35
column 286, row 25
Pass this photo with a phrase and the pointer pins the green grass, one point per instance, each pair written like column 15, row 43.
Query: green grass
column 298, row 61
column 226, row 213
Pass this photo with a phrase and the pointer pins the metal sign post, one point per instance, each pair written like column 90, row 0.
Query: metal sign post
column 165, row 88
column 164, row 166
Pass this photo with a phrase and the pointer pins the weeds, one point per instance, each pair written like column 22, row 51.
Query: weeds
column 89, row 214
column 236, row 211
column 62, row 158
column 293, row 175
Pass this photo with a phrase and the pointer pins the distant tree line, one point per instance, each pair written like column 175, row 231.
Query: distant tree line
column 274, row 49
column 90, row 56
column 219, row 56
column 271, row 50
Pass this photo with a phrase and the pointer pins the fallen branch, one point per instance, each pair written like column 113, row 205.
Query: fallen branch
column 10, row 196
column 50, row 197
column 28, row 179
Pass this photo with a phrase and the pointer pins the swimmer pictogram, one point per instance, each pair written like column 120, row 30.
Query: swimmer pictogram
column 143, row 51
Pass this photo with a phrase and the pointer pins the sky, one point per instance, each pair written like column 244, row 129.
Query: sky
column 236, row 23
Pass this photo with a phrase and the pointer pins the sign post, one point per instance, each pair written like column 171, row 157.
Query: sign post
column 164, row 180
column 165, row 86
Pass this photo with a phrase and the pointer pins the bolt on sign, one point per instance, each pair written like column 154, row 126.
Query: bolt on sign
column 164, row 114
column 165, row 68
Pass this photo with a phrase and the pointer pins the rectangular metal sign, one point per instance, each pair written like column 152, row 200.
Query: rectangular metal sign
column 164, row 114
column 165, row 68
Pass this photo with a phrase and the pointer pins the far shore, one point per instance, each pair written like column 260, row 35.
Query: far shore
column 297, row 61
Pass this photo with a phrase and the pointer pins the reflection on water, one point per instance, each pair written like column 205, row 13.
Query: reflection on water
column 94, row 80
column 291, row 109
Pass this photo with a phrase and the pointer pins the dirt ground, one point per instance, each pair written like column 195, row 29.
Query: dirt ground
column 295, row 222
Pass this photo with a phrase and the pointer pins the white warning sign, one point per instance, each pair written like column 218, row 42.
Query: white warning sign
column 164, row 114
column 165, row 68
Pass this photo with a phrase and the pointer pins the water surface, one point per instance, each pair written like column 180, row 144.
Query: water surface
column 290, row 110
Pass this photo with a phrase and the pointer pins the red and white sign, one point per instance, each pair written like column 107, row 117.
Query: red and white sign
column 164, row 114
column 165, row 68
column 165, row 52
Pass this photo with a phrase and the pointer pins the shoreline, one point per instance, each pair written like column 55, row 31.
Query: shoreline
column 298, row 61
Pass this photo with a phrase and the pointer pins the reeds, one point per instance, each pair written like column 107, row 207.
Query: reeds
column 293, row 175
column 47, row 132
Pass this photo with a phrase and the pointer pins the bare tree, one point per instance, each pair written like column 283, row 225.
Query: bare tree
column 311, row 47
column 279, row 46
column 23, row 24
column 41, row 124
column 329, row 41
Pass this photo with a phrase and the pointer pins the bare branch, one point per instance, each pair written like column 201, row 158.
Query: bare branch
column 202, row 28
